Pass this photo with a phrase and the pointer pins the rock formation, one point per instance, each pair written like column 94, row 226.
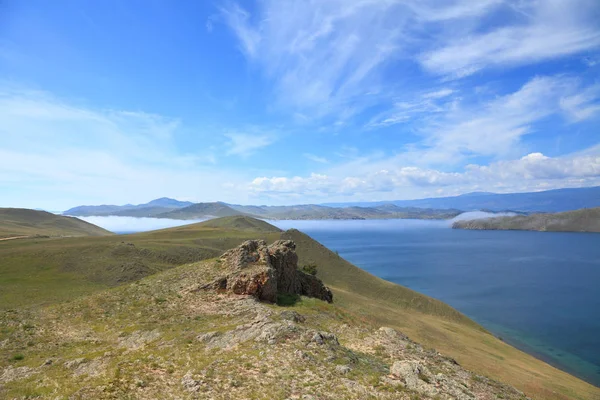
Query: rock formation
column 262, row 271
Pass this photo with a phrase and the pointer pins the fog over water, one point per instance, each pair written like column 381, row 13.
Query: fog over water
column 134, row 224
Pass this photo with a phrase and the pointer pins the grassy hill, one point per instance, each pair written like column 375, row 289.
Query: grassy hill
column 24, row 222
column 201, row 210
column 585, row 220
column 154, row 207
column 54, row 270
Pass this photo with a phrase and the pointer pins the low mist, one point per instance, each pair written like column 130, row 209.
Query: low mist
column 133, row 224
column 481, row 215
column 359, row 225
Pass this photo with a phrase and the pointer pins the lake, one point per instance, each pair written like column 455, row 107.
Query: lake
column 538, row 291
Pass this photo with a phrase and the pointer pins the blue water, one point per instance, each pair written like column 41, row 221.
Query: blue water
column 537, row 290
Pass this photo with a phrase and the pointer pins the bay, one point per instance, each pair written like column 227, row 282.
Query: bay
column 536, row 290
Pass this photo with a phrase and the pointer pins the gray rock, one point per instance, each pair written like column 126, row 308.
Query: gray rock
column 342, row 369
column 292, row 316
column 415, row 375
column 189, row 383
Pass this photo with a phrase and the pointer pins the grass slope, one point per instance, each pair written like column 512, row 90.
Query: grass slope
column 52, row 270
column 201, row 210
column 25, row 222
column 585, row 220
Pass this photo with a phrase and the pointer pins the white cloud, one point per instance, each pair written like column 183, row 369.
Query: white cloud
column 543, row 30
column 583, row 105
column 453, row 130
column 531, row 172
column 329, row 57
column 245, row 144
column 438, row 94
column 315, row 158
column 55, row 154
column 238, row 19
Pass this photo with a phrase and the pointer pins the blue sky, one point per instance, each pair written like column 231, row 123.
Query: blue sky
column 286, row 102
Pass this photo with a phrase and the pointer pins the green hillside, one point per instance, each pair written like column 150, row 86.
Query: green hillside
column 53, row 270
column 24, row 222
column 584, row 220
column 201, row 210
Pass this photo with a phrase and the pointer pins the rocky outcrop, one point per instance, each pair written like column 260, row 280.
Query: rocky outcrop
column 262, row 271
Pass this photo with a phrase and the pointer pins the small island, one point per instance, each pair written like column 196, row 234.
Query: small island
column 584, row 220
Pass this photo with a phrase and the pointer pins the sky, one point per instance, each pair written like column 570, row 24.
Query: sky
column 289, row 102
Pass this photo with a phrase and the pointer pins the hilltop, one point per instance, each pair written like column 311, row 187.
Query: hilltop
column 201, row 210
column 586, row 220
column 150, row 209
column 16, row 222
column 141, row 319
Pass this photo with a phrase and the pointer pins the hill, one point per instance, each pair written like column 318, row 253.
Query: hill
column 586, row 220
column 164, row 333
column 557, row 200
column 150, row 209
column 201, row 210
column 25, row 222
column 241, row 223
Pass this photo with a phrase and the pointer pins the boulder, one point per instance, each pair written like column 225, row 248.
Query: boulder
column 265, row 272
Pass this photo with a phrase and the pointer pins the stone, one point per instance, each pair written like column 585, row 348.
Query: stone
column 189, row 383
column 11, row 373
column 264, row 272
column 292, row 316
column 415, row 375
column 342, row 369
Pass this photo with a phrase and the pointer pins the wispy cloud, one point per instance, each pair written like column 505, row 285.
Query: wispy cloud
column 452, row 131
column 315, row 158
column 540, row 30
column 245, row 144
column 330, row 57
column 76, row 154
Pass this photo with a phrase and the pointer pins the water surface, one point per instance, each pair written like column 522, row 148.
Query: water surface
column 537, row 290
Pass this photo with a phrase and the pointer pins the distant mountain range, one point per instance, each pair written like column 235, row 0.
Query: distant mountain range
column 150, row 209
column 189, row 211
column 434, row 208
column 557, row 200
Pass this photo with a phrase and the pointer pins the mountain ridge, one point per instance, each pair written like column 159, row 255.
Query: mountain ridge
column 555, row 200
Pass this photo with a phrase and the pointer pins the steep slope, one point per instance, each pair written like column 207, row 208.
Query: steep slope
column 167, row 337
column 586, row 220
column 437, row 325
column 157, row 325
column 201, row 210
column 25, row 222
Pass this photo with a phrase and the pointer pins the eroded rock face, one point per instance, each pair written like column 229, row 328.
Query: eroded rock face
column 265, row 271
